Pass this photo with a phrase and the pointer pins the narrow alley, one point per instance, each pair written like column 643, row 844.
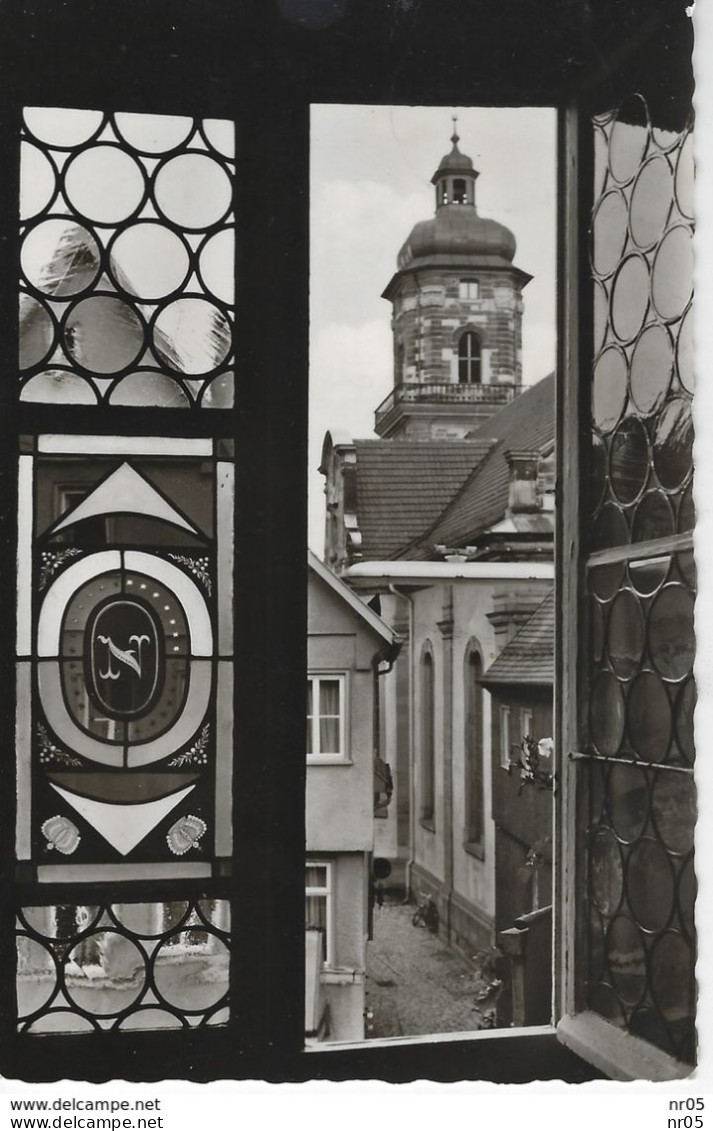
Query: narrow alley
column 415, row 984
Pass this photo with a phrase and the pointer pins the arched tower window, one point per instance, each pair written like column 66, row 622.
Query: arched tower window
column 469, row 359
column 473, row 750
column 428, row 738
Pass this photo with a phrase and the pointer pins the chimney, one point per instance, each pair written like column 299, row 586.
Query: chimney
column 522, row 490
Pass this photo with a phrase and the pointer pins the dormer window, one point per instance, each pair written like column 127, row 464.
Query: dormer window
column 468, row 288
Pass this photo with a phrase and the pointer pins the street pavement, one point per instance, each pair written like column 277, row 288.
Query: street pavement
column 415, row 984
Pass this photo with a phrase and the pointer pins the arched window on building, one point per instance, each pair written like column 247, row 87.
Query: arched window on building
column 473, row 750
column 428, row 739
column 469, row 359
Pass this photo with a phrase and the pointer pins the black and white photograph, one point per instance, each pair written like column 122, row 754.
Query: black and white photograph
column 350, row 545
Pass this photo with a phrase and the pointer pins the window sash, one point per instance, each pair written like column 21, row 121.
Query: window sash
column 326, row 719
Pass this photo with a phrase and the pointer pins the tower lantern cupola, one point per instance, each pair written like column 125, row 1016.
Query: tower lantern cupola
column 455, row 177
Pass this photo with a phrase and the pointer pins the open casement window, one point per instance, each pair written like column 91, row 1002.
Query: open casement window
column 627, row 591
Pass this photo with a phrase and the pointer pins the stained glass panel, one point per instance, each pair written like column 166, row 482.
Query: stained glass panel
column 127, row 259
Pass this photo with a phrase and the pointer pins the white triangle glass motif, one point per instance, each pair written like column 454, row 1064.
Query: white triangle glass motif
column 123, row 826
column 122, row 492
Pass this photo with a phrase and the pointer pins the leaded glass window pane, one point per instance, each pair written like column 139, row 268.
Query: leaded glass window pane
column 641, row 581
column 127, row 259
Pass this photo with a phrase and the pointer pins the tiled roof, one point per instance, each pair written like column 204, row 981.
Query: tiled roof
column 403, row 485
column 527, row 423
column 529, row 656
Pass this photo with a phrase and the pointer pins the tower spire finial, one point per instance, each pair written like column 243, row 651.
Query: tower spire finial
column 454, row 138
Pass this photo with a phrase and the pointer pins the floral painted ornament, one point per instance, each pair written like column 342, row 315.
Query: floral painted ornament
column 62, row 834
column 185, row 834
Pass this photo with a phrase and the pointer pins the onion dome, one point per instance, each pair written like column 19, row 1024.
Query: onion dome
column 457, row 235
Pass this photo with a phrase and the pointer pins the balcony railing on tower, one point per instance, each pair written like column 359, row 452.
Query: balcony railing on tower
column 448, row 392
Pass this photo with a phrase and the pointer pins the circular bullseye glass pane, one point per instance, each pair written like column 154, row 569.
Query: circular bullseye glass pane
column 149, row 261
column 105, row 184
column 153, row 133
column 123, row 973
column 684, row 353
column 672, row 279
column 149, row 389
column 103, row 334
column 37, row 975
column 685, row 708
column 609, row 232
column 216, row 264
column 56, row 386
column 152, row 1018
column 673, row 443
column 609, row 388
column 192, row 336
column 220, row 134
column 671, row 639
column 37, row 181
column 687, row 888
column 653, row 518
column 60, row 258
column 37, row 332
column 629, row 460
column 672, row 980
column 628, row 799
column 651, row 368
column 650, row 885
column 606, row 714
column 630, row 298
column 651, row 201
column 625, row 634
column 629, row 138
column 674, row 810
column 684, row 177
column 627, row 959
column 607, row 873
column 210, row 982
column 193, row 191
column 601, row 313
column 597, row 470
column 596, row 629
column 220, row 393
column 648, row 715
column 609, row 529
column 648, row 574
column 686, row 511
column 62, row 128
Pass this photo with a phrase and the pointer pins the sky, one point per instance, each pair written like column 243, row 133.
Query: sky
column 371, row 168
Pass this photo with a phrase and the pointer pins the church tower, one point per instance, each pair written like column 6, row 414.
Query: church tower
column 457, row 316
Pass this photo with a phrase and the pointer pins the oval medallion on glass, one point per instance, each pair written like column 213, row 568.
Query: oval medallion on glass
column 124, row 657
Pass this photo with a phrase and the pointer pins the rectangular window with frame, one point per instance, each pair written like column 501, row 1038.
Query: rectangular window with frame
column 326, row 717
